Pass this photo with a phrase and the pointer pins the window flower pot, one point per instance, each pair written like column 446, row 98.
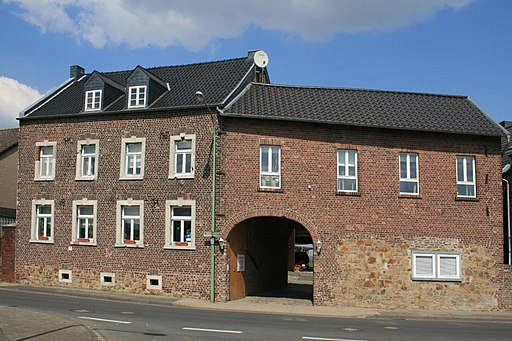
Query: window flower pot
column 43, row 238
column 127, row 241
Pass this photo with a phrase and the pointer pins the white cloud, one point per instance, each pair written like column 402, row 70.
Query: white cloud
column 196, row 23
column 14, row 97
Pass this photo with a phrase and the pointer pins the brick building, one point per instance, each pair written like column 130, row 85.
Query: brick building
column 398, row 193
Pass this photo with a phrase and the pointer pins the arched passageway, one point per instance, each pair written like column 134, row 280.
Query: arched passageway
column 271, row 257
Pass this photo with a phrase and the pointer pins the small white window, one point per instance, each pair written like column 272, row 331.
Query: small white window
column 435, row 266
column 130, row 223
column 45, row 163
column 347, row 170
column 466, row 186
column 180, row 224
column 42, row 221
column 84, row 222
column 182, row 156
column 65, row 276
column 154, row 282
column 137, row 97
column 409, row 183
column 87, row 160
column 92, row 100
column 108, row 279
column 270, row 167
column 132, row 158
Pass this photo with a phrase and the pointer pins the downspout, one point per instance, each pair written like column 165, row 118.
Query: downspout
column 507, row 191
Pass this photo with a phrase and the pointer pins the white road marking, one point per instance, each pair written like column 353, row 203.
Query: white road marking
column 326, row 339
column 213, row 330
column 102, row 320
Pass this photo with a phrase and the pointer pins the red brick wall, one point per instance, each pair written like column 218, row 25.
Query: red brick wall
column 308, row 195
column 185, row 272
column 8, row 248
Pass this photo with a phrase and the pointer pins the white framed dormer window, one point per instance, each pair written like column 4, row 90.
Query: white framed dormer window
column 180, row 216
column 130, row 223
column 87, row 160
column 84, row 222
column 93, row 100
column 45, row 162
column 270, row 167
column 466, row 185
column 440, row 266
column 347, row 171
column 182, row 156
column 137, row 96
column 132, row 158
column 409, row 183
column 42, row 230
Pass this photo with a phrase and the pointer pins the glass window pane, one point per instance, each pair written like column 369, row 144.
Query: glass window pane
column 424, row 266
column 179, row 163
column 176, row 231
column 85, row 210
column 403, row 166
column 347, row 185
column 275, row 159
column 127, row 229
column 414, row 166
column 352, row 171
column 188, row 231
column 466, row 190
column 47, row 151
column 89, row 149
column 131, row 211
column 134, row 147
column 341, row 170
column 45, row 209
column 188, row 163
column 352, row 157
column 460, row 169
column 184, row 144
column 408, row 187
column 136, row 229
column 264, row 159
column 181, row 211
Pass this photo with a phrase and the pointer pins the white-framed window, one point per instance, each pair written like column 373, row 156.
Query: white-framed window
column 180, row 224
column 42, row 221
column 270, row 167
column 108, row 279
column 466, row 185
column 137, row 96
column 182, row 156
column 65, row 276
column 132, row 158
column 409, row 183
column 154, row 282
column 87, row 159
column 84, row 222
column 45, row 162
column 347, row 171
column 435, row 266
column 130, row 223
column 93, row 100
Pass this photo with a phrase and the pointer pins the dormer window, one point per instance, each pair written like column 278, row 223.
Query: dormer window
column 137, row 97
column 92, row 100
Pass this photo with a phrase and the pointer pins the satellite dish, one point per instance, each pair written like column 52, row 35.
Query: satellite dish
column 260, row 59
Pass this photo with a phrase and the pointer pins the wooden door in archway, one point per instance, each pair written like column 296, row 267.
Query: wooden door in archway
column 237, row 251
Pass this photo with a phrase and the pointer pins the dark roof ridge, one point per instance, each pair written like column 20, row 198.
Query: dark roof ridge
column 358, row 89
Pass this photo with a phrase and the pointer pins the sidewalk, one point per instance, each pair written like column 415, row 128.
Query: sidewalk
column 51, row 327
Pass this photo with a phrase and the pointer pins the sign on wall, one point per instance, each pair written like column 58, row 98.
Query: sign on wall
column 240, row 262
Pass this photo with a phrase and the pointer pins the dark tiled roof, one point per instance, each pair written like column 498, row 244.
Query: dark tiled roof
column 383, row 109
column 8, row 138
column 215, row 79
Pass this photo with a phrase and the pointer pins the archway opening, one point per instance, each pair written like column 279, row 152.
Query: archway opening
column 270, row 257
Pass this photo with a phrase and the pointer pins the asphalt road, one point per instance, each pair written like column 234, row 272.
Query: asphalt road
column 134, row 321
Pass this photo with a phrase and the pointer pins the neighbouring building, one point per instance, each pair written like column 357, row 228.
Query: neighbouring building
column 8, row 172
column 398, row 193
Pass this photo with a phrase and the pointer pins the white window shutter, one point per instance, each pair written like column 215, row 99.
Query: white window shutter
column 448, row 266
column 424, row 266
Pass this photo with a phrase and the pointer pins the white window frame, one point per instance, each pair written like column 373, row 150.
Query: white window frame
column 140, row 102
column 112, row 276
column 123, row 172
column 120, row 242
column 173, row 173
column 75, row 234
column 96, row 97
column 169, row 243
column 270, row 166
column 408, row 178
column 436, row 274
column 345, row 154
column 68, row 273
column 465, row 181
column 150, row 286
column 34, row 235
column 45, row 161
column 81, row 157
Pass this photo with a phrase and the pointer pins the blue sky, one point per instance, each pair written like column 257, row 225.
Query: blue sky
column 460, row 47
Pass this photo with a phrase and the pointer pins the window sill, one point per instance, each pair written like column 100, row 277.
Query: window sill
column 135, row 246
column 416, row 279
column 124, row 177
column 180, row 177
column 469, row 199
column 40, row 241
column 348, row 194
column 172, row 247
column 271, row 190
column 76, row 243
column 44, row 179
column 84, row 179
column 409, row 196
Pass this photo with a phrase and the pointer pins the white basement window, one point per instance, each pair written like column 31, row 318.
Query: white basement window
column 439, row 266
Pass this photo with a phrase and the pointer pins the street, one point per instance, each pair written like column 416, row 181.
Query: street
column 134, row 321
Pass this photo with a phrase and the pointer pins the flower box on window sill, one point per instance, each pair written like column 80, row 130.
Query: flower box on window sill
column 83, row 240
column 43, row 238
column 127, row 241
column 181, row 244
